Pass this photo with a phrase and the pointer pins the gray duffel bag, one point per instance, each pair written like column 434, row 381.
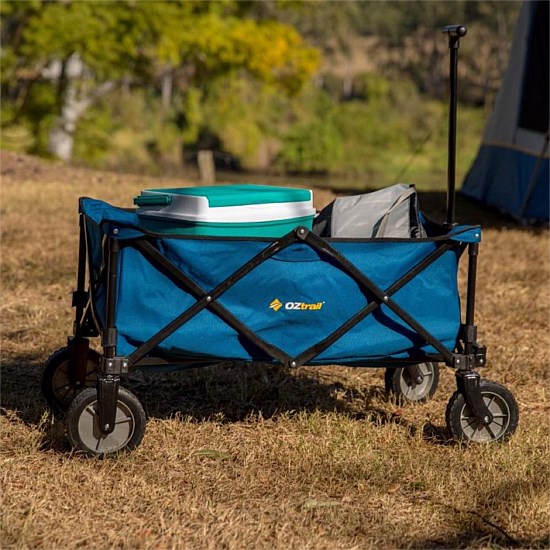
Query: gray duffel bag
column 391, row 212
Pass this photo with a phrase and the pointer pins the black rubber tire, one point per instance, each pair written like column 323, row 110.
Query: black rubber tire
column 463, row 426
column 405, row 390
column 57, row 387
column 83, row 424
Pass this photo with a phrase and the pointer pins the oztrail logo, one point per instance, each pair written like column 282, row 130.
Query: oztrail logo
column 276, row 305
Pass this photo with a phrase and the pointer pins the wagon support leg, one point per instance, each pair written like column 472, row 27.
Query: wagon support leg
column 469, row 329
column 80, row 296
column 471, row 353
column 78, row 344
column 468, row 383
column 110, row 366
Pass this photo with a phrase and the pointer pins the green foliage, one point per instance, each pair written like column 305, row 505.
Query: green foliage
column 112, row 38
column 130, row 131
column 30, row 132
column 121, row 38
column 331, row 26
column 245, row 115
column 270, row 51
column 395, row 134
column 240, row 73
column 314, row 147
column 353, row 137
column 191, row 115
column 40, row 113
column 373, row 87
column 195, row 43
column 93, row 140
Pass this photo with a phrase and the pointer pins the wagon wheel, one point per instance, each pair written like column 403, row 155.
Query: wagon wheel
column 58, row 387
column 463, row 425
column 83, row 424
column 399, row 382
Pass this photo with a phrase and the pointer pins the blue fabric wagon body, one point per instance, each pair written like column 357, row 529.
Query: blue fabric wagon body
column 292, row 300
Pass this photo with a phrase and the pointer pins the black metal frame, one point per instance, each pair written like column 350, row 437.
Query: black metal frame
column 208, row 300
column 468, row 354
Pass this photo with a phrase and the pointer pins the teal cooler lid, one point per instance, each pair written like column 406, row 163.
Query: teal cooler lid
column 240, row 194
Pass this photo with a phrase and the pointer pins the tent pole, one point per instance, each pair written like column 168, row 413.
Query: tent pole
column 534, row 175
column 455, row 32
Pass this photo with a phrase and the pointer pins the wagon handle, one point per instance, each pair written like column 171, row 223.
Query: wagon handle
column 455, row 32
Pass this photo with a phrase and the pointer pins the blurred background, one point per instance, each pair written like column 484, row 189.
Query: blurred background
column 348, row 94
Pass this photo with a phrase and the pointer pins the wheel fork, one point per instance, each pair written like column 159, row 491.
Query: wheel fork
column 415, row 373
column 107, row 398
column 108, row 381
column 468, row 383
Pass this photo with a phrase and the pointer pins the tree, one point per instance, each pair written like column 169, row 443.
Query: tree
column 86, row 49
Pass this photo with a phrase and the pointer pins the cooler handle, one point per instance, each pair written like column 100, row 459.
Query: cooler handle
column 153, row 200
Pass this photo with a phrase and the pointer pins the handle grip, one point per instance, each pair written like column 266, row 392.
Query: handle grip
column 153, row 200
column 456, row 30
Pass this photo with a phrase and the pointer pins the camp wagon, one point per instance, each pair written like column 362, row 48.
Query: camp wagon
column 167, row 299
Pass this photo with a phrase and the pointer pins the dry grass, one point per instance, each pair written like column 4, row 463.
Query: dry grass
column 263, row 458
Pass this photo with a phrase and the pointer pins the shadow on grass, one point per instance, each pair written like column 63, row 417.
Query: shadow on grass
column 20, row 392
column 232, row 392
column 480, row 524
column 226, row 392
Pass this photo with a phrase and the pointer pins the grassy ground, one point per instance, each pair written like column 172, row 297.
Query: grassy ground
column 264, row 458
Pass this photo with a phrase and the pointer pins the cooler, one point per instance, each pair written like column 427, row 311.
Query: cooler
column 242, row 210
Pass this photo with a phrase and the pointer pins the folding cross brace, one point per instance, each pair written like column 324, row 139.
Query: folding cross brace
column 208, row 299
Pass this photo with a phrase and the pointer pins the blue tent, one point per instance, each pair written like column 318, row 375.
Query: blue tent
column 511, row 168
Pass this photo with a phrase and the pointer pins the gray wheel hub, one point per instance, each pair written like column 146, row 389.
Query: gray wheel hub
column 99, row 441
column 413, row 391
column 475, row 430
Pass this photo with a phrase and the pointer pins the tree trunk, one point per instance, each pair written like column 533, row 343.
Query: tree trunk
column 73, row 106
column 167, row 82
